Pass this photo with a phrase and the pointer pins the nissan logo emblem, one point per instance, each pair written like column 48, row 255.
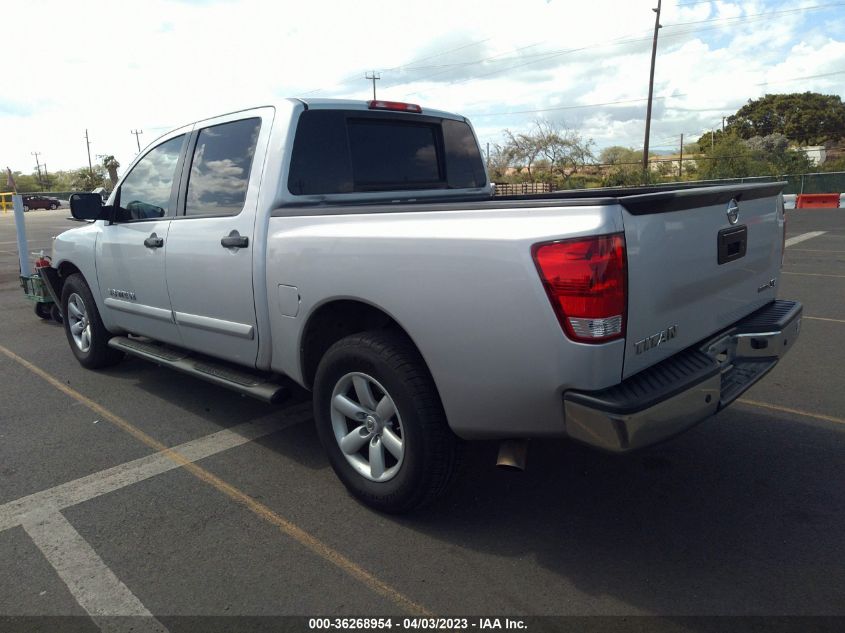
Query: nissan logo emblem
column 733, row 211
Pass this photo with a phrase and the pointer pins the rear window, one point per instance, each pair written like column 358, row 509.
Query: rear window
column 350, row 151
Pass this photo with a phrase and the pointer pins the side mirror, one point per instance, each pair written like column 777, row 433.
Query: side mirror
column 87, row 206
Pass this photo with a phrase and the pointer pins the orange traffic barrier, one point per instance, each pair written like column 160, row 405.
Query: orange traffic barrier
column 817, row 201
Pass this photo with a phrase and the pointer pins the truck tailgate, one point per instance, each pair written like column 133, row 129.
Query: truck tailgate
column 693, row 268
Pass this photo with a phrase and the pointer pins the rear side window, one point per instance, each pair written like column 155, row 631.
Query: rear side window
column 220, row 168
column 344, row 152
column 462, row 156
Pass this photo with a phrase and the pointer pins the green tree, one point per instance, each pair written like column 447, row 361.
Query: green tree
column 729, row 158
column 624, row 166
column 84, row 179
column 548, row 152
column 25, row 183
column 523, row 151
column 563, row 151
column 808, row 118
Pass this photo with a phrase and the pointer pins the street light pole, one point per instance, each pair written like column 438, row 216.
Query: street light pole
column 650, row 90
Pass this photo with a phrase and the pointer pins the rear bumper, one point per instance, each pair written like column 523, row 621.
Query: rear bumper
column 685, row 389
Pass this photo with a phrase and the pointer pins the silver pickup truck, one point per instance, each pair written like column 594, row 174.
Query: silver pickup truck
column 355, row 248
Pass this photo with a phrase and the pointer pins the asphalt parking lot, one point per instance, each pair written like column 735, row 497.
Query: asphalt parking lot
column 140, row 492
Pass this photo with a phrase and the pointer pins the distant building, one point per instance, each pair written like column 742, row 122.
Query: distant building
column 656, row 163
column 816, row 153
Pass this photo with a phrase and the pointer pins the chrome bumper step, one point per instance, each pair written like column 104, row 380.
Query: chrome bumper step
column 673, row 395
column 256, row 384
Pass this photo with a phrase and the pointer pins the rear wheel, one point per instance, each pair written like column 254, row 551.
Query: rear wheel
column 26, row 208
column 86, row 334
column 381, row 422
column 42, row 310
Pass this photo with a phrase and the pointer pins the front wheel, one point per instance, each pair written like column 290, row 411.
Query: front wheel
column 53, row 207
column 381, row 422
column 86, row 334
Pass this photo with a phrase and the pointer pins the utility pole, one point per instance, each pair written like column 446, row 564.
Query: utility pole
column 681, row 161
column 88, row 147
column 650, row 89
column 374, row 76
column 137, row 133
column 38, row 168
column 723, row 123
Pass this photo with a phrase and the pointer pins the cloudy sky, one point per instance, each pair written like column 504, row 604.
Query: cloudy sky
column 112, row 67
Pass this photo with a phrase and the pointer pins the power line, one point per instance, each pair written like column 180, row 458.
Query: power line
column 741, row 18
column 541, row 57
column 625, row 101
column 622, row 40
column 413, row 61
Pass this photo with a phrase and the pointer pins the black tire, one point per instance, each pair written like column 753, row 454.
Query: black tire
column 98, row 353
column 55, row 313
column 42, row 310
column 431, row 451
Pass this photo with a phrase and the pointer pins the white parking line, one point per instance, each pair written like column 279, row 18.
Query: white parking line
column 52, row 500
column 90, row 581
column 803, row 237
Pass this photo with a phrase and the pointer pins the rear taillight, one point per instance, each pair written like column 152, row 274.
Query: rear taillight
column 586, row 282
column 396, row 106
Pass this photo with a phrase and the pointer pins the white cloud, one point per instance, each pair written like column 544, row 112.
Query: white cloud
column 154, row 65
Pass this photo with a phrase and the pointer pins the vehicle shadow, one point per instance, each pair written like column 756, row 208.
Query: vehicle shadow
column 742, row 515
column 226, row 408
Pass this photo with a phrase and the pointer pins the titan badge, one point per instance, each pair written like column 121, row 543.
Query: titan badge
column 655, row 340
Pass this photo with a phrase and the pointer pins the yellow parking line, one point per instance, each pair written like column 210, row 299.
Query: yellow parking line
column 806, row 414
column 823, row 319
column 813, row 250
column 259, row 509
column 787, row 272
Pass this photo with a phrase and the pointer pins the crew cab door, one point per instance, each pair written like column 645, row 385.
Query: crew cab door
column 130, row 252
column 210, row 244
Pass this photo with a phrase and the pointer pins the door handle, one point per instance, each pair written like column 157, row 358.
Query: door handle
column 154, row 241
column 235, row 240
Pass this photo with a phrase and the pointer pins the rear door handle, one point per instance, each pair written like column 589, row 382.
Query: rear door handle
column 235, row 240
column 154, row 241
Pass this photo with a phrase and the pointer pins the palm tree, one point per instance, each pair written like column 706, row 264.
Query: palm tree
column 111, row 164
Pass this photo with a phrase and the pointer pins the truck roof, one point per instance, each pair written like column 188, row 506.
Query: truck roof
column 363, row 104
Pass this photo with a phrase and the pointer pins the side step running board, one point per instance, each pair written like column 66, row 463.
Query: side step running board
column 218, row 372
